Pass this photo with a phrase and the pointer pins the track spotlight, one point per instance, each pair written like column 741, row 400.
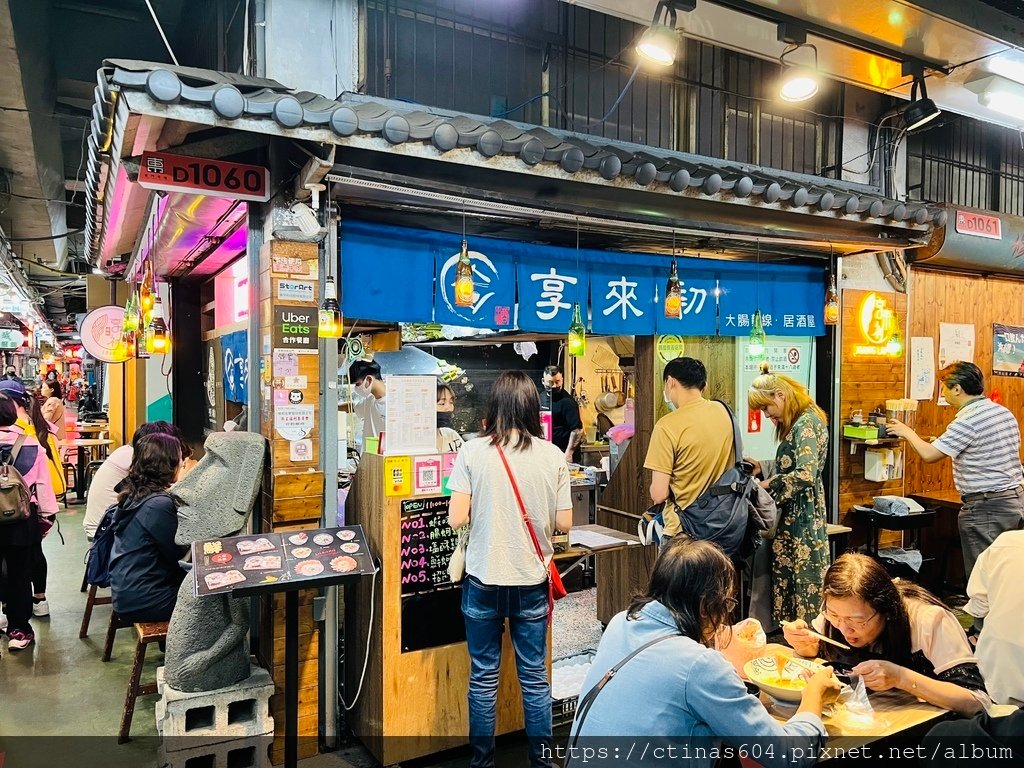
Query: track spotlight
column 920, row 111
column 799, row 82
column 660, row 41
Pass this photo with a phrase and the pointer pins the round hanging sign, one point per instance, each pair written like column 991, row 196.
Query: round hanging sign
column 670, row 347
column 100, row 332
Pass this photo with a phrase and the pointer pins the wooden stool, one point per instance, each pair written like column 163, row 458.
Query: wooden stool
column 146, row 633
column 116, row 623
column 91, row 600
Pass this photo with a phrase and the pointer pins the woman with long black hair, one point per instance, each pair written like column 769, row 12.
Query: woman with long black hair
column 508, row 556
column 144, row 570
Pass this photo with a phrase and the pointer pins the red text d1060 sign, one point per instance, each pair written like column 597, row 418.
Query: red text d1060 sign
column 180, row 173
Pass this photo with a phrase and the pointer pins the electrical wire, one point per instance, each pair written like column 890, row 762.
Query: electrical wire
column 369, row 635
column 41, row 199
column 160, row 29
column 42, row 239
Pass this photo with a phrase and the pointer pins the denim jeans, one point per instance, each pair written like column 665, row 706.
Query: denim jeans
column 982, row 521
column 485, row 609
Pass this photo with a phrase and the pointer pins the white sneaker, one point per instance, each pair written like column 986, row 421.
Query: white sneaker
column 3, row 622
column 42, row 608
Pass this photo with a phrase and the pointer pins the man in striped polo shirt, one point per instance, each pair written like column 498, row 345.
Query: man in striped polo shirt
column 983, row 440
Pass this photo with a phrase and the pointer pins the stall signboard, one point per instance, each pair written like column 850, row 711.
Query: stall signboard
column 101, row 331
column 1007, row 350
column 618, row 292
column 296, row 329
column 273, row 560
column 11, row 338
column 213, row 396
column 877, row 323
column 203, row 176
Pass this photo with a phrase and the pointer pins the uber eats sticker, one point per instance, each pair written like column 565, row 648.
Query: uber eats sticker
column 295, row 328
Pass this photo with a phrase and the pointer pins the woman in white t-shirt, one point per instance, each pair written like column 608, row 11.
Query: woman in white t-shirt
column 506, row 579
column 901, row 635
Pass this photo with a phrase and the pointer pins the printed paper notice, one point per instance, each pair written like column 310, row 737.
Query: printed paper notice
column 411, row 418
column 956, row 342
column 922, row 367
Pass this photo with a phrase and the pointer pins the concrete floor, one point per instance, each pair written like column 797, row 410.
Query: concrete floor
column 60, row 704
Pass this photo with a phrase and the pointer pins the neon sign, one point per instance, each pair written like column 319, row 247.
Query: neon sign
column 879, row 328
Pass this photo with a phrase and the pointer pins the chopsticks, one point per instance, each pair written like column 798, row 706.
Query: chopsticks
column 827, row 639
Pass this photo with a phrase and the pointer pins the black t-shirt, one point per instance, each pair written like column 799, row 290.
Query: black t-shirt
column 565, row 416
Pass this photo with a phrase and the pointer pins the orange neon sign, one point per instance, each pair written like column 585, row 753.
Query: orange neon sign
column 879, row 328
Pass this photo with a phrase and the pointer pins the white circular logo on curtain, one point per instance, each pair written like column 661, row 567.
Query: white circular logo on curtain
column 484, row 273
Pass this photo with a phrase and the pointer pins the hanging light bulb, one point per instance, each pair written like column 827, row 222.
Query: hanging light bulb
column 832, row 301
column 330, row 312
column 464, row 279
column 146, row 290
column 131, row 314
column 673, row 288
column 577, row 343
column 757, row 336
column 157, row 338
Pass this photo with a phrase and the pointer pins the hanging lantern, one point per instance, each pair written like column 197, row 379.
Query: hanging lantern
column 131, row 314
column 147, row 290
column 832, row 301
column 330, row 313
column 464, row 278
column 577, row 343
column 157, row 338
column 673, row 293
column 894, row 347
column 756, row 346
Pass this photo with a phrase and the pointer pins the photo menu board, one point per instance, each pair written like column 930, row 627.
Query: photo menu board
column 271, row 560
column 431, row 603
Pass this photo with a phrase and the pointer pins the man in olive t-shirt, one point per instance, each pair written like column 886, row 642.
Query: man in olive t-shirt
column 692, row 446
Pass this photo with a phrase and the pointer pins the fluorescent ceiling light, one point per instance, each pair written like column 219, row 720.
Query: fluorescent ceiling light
column 1000, row 95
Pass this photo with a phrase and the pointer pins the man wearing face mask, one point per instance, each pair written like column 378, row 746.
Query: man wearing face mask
column 371, row 407
column 691, row 447
column 566, row 424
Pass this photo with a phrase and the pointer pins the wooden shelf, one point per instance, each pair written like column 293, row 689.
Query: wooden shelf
column 855, row 442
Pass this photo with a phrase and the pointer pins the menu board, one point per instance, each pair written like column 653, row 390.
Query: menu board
column 274, row 560
column 427, row 544
column 431, row 603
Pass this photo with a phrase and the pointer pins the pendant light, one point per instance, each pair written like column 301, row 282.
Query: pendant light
column 464, row 271
column 894, row 347
column 756, row 344
column 831, row 295
column 157, row 338
column 576, row 345
column 673, row 288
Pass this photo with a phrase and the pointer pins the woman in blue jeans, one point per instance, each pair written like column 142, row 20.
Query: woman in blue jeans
column 506, row 578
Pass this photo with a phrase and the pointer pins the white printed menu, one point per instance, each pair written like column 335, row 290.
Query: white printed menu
column 410, row 425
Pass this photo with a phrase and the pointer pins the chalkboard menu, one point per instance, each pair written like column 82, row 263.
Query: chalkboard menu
column 427, row 544
column 431, row 603
column 274, row 560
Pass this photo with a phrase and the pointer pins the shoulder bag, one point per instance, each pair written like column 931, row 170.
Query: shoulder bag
column 588, row 701
column 556, row 590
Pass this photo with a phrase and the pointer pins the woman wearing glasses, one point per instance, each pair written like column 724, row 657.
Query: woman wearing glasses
column 800, row 547
column 901, row 636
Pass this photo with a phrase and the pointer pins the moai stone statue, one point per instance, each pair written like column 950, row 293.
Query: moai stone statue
column 207, row 641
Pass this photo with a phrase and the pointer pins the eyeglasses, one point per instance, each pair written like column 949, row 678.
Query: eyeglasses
column 835, row 620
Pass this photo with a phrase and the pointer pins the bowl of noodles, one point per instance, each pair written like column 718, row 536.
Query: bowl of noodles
column 780, row 676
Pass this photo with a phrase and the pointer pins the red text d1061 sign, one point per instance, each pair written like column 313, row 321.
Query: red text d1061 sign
column 180, row 173
column 979, row 225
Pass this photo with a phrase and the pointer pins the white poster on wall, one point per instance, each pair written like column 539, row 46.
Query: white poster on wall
column 789, row 355
column 956, row 342
column 411, row 418
column 922, row 367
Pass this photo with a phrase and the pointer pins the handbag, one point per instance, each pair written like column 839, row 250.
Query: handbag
column 650, row 529
column 556, row 589
column 457, row 563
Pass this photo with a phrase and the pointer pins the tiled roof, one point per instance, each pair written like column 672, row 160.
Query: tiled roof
column 232, row 97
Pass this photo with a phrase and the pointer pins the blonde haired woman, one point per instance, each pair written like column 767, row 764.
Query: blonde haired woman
column 800, row 547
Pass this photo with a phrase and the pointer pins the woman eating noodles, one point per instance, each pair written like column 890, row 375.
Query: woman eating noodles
column 901, row 636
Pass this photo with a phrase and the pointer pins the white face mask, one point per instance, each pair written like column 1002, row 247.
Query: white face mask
column 668, row 401
column 363, row 390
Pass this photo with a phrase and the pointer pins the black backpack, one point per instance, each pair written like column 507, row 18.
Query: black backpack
column 97, row 559
column 727, row 513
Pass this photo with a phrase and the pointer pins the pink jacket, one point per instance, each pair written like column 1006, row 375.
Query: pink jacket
column 38, row 472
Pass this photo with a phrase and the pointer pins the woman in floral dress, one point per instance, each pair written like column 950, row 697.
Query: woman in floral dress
column 800, row 553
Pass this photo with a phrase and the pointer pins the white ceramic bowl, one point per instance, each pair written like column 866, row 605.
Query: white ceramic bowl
column 785, row 684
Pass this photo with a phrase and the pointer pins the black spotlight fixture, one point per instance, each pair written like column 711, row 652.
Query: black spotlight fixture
column 920, row 112
column 660, row 41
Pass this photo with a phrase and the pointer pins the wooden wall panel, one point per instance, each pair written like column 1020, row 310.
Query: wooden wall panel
column 940, row 297
column 866, row 382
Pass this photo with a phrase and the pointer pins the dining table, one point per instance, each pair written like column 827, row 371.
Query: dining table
column 898, row 716
column 95, row 447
